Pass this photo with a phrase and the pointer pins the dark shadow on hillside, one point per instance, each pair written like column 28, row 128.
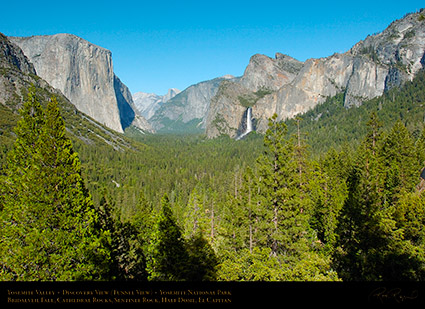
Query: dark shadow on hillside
column 124, row 101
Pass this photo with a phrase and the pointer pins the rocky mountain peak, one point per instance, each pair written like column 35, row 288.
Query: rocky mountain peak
column 401, row 44
column 288, row 87
column 264, row 72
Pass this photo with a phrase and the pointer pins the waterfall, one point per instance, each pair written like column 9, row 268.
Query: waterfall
column 248, row 120
column 248, row 124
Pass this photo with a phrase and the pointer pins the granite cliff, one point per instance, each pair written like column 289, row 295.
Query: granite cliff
column 187, row 111
column 17, row 74
column 288, row 87
column 84, row 73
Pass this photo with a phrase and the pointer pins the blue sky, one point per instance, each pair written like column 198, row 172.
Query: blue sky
column 158, row 45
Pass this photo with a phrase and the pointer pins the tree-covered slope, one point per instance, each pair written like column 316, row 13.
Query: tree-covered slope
column 332, row 125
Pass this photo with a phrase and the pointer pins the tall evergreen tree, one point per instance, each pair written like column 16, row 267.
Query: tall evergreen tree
column 328, row 192
column 401, row 166
column 144, row 220
column 285, row 221
column 194, row 215
column 359, row 232
column 48, row 217
column 167, row 255
column 127, row 257
column 373, row 242
column 202, row 262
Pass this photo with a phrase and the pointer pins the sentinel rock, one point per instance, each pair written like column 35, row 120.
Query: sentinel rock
column 83, row 72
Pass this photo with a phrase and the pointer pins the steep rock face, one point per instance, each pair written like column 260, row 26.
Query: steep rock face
column 12, row 57
column 262, row 78
column 17, row 74
column 84, row 74
column 378, row 63
column 264, row 72
column 148, row 103
column 224, row 106
column 129, row 114
column 189, row 109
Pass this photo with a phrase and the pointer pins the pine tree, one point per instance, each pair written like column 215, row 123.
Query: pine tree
column 329, row 192
column 401, row 168
column 167, row 255
column 126, row 247
column 408, row 262
column 241, row 216
column 285, row 224
column 49, row 219
column 144, row 220
column 373, row 243
column 359, row 222
column 248, row 206
column 194, row 215
column 420, row 153
column 202, row 262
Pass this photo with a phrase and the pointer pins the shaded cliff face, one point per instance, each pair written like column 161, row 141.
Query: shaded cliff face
column 225, row 108
column 12, row 57
column 17, row 73
column 378, row 63
column 84, row 74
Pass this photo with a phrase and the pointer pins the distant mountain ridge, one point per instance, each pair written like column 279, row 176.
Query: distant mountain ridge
column 148, row 103
column 372, row 66
column 83, row 72
column 187, row 111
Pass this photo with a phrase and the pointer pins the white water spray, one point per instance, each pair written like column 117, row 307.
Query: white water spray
column 248, row 124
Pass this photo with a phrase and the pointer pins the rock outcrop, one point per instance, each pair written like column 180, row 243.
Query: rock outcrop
column 264, row 72
column 372, row 66
column 12, row 57
column 84, row 73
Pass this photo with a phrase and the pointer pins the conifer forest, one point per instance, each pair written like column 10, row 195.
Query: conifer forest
column 340, row 199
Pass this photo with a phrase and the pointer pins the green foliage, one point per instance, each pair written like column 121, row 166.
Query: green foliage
column 331, row 125
column 280, row 193
column 167, row 252
column 203, row 261
column 333, row 194
column 48, row 217
column 372, row 239
column 173, row 258
column 250, row 99
column 126, row 246
column 258, row 265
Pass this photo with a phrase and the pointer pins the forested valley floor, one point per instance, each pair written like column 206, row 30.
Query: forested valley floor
column 333, row 195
